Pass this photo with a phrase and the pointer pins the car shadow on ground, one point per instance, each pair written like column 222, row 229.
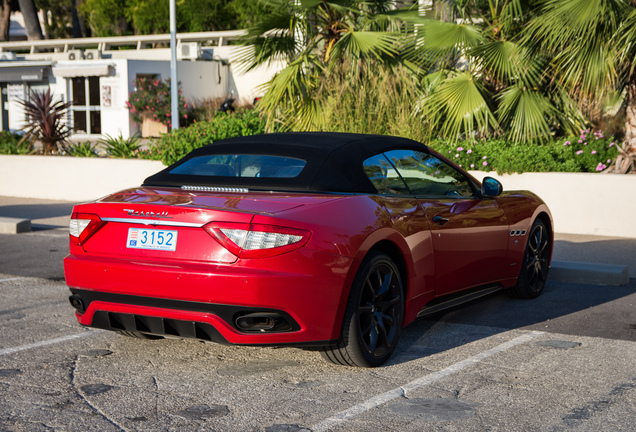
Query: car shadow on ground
column 564, row 308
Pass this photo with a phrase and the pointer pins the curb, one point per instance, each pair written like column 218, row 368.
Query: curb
column 14, row 225
column 589, row 273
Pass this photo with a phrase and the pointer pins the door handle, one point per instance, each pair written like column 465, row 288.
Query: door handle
column 440, row 220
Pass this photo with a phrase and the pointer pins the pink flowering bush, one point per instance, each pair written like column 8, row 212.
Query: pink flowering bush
column 590, row 151
column 151, row 98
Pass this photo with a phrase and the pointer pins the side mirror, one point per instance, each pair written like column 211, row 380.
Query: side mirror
column 491, row 187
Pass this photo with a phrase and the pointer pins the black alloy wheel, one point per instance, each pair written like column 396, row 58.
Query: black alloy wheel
column 534, row 267
column 374, row 315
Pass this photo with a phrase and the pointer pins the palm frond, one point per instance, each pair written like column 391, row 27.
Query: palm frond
column 361, row 44
column 507, row 62
column 457, row 107
column 578, row 34
column 524, row 114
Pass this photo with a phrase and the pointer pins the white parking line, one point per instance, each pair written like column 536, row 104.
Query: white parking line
column 374, row 402
column 48, row 342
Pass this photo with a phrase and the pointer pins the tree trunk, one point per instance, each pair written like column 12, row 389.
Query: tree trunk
column 31, row 20
column 79, row 24
column 5, row 19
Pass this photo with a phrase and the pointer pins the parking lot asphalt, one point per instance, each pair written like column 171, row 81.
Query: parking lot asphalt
column 563, row 362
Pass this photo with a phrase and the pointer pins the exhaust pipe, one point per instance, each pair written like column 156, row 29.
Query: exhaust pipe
column 262, row 322
column 77, row 303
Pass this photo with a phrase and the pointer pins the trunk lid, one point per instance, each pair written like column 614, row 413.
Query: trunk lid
column 138, row 215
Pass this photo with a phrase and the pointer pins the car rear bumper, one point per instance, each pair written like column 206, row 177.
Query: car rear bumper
column 305, row 299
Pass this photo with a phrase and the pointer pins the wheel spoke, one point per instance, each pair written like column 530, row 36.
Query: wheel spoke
column 388, row 319
column 367, row 329
column 384, row 341
column 366, row 309
column 386, row 283
column 379, row 281
column 390, row 303
column 369, row 285
column 373, row 338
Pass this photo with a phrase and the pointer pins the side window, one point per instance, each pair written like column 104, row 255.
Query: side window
column 429, row 176
column 384, row 176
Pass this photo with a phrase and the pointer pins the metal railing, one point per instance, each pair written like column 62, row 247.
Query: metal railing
column 141, row 42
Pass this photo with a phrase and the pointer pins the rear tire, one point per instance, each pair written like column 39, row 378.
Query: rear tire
column 373, row 317
column 534, row 267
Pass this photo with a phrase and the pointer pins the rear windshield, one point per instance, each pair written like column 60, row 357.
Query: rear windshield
column 241, row 165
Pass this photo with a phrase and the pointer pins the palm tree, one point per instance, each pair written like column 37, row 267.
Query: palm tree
column 593, row 44
column 479, row 81
column 313, row 38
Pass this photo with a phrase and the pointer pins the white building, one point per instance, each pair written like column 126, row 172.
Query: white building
column 97, row 75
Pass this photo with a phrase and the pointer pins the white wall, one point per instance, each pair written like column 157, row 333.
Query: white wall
column 581, row 203
column 69, row 178
column 113, row 95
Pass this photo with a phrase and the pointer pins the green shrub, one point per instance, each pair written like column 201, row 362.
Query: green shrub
column 10, row 144
column 589, row 152
column 121, row 147
column 82, row 149
column 174, row 145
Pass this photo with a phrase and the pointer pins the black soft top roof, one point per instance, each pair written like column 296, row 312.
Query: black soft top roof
column 334, row 161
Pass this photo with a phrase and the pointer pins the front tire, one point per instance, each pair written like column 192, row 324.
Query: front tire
column 534, row 267
column 373, row 317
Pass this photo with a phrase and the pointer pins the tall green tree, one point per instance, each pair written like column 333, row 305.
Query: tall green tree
column 312, row 38
column 106, row 17
column 117, row 17
column 593, row 48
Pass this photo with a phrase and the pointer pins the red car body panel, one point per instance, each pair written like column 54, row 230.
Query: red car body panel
column 440, row 246
column 311, row 284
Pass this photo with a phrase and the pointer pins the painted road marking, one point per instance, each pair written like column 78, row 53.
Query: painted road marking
column 48, row 342
column 10, row 279
column 374, row 402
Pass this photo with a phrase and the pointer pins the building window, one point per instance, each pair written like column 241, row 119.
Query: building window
column 87, row 115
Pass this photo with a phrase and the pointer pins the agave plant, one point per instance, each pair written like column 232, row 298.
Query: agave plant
column 46, row 121
column 121, row 147
column 82, row 149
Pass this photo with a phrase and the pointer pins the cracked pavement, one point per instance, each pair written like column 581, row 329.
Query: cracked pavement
column 567, row 376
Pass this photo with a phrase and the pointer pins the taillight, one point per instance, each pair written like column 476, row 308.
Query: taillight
column 82, row 226
column 257, row 240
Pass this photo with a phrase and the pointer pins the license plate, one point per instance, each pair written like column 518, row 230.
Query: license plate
column 139, row 238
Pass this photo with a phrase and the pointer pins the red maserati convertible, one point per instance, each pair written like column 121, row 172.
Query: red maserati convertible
column 326, row 240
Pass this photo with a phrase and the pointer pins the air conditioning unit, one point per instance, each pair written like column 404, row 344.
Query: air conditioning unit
column 92, row 54
column 7, row 55
column 74, row 55
column 189, row 51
